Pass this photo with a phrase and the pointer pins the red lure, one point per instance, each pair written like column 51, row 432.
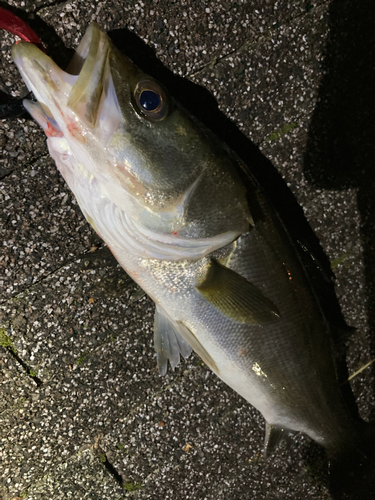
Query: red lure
column 12, row 23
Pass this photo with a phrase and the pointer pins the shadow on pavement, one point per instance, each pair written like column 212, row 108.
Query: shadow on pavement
column 341, row 148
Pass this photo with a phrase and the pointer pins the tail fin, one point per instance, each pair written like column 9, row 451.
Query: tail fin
column 352, row 471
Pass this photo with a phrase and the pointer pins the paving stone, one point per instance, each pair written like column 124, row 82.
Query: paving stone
column 82, row 476
column 15, row 383
column 102, row 423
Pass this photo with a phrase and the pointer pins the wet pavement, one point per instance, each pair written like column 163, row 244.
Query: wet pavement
column 83, row 411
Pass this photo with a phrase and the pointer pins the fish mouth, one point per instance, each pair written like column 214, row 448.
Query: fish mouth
column 80, row 88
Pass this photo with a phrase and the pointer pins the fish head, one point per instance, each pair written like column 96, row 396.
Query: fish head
column 110, row 124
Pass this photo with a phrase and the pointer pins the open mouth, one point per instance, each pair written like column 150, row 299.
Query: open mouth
column 79, row 88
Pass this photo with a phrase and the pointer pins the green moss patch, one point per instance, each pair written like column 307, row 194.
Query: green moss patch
column 276, row 134
column 132, row 486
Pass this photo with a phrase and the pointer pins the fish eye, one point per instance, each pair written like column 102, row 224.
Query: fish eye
column 151, row 100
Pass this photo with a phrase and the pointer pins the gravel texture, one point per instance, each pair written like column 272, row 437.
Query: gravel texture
column 83, row 411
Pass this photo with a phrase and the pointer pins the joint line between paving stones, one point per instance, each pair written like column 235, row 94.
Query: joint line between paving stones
column 46, row 276
column 109, row 466
column 27, row 289
column 24, row 365
column 256, row 41
column 22, row 167
column 6, row 175
column 52, row 4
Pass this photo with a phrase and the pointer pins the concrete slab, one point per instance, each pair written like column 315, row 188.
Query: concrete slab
column 82, row 476
column 16, row 384
column 84, row 412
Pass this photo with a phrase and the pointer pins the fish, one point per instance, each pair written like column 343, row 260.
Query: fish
column 188, row 221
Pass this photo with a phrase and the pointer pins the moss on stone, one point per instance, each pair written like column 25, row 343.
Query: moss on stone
column 5, row 341
column 132, row 486
column 276, row 134
column 339, row 260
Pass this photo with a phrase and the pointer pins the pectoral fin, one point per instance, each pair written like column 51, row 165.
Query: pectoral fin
column 235, row 297
column 168, row 341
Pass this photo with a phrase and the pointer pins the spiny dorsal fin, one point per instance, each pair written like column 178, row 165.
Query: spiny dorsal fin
column 168, row 341
column 272, row 439
column 235, row 297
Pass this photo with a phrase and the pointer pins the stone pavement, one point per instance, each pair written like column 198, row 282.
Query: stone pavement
column 83, row 411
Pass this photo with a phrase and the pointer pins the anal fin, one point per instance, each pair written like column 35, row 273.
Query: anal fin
column 198, row 347
column 272, row 438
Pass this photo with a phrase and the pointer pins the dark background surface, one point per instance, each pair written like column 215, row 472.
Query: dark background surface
column 83, row 413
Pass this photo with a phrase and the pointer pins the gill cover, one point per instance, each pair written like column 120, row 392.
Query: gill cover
column 147, row 177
